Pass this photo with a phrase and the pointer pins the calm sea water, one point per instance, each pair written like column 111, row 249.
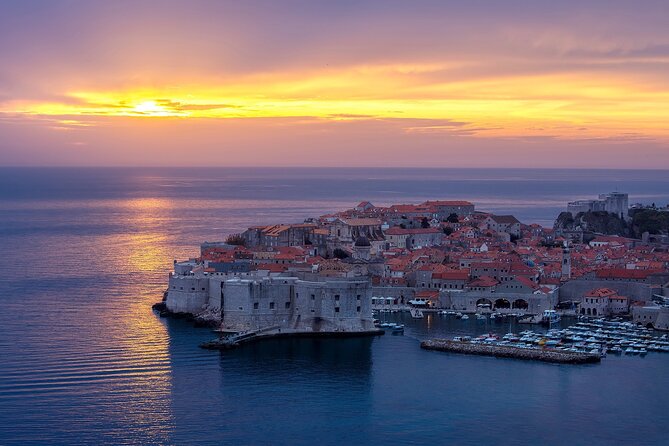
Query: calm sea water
column 83, row 360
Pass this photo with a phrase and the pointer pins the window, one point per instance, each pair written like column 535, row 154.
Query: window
column 357, row 297
column 337, row 297
column 358, row 309
column 255, row 305
column 313, row 297
column 202, row 289
column 287, row 305
column 336, row 309
column 271, row 305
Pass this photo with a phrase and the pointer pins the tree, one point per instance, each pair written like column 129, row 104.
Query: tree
column 453, row 218
column 236, row 239
column 424, row 223
column 448, row 230
column 340, row 253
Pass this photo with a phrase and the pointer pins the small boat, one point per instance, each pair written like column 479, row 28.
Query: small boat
column 398, row 328
column 550, row 317
column 416, row 313
column 481, row 317
column 464, row 316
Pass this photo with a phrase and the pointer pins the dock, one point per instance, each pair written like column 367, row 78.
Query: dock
column 505, row 351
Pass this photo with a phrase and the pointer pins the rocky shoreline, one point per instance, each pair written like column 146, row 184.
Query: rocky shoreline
column 204, row 319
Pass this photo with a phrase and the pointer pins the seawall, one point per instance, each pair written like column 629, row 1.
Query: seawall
column 505, row 351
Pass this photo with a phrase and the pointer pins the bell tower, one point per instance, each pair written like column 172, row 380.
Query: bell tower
column 566, row 261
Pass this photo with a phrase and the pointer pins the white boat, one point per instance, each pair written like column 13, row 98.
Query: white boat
column 398, row 328
column 464, row 316
column 550, row 317
column 416, row 313
column 481, row 317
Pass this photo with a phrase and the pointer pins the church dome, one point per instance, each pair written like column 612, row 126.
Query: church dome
column 362, row 241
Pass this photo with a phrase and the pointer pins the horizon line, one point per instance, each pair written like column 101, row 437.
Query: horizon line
column 121, row 166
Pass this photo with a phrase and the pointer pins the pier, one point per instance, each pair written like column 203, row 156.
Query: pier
column 505, row 351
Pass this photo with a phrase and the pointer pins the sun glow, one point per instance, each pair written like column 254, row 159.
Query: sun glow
column 152, row 108
column 576, row 106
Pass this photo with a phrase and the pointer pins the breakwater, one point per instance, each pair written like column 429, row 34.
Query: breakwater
column 505, row 351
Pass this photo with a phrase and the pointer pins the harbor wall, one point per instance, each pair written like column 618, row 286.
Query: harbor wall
column 402, row 295
column 575, row 289
column 467, row 301
column 656, row 316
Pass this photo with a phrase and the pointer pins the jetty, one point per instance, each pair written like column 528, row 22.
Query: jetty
column 506, row 351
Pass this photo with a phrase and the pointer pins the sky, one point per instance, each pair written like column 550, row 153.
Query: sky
column 471, row 83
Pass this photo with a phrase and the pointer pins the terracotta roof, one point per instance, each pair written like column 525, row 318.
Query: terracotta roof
column 428, row 294
column 483, row 281
column 527, row 282
column 448, row 203
column 601, row 292
column 396, row 230
column 361, row 221
column 452, row 275
column 622, row 273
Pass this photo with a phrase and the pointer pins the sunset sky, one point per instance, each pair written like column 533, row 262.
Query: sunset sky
column 335, row 83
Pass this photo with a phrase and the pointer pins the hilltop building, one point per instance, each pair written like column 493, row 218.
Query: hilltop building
column 615, row 203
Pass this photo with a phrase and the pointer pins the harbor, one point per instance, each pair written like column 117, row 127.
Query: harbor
column 508, row 336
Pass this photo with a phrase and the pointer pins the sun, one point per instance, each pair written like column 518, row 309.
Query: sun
column 150, row 108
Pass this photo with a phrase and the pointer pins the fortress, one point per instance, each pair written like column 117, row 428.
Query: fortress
column 614, row 203
column 252, row 302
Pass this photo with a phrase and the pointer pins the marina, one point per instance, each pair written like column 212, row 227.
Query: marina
column 592, row 337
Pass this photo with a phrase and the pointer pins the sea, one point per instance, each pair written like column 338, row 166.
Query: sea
column 85, row 252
